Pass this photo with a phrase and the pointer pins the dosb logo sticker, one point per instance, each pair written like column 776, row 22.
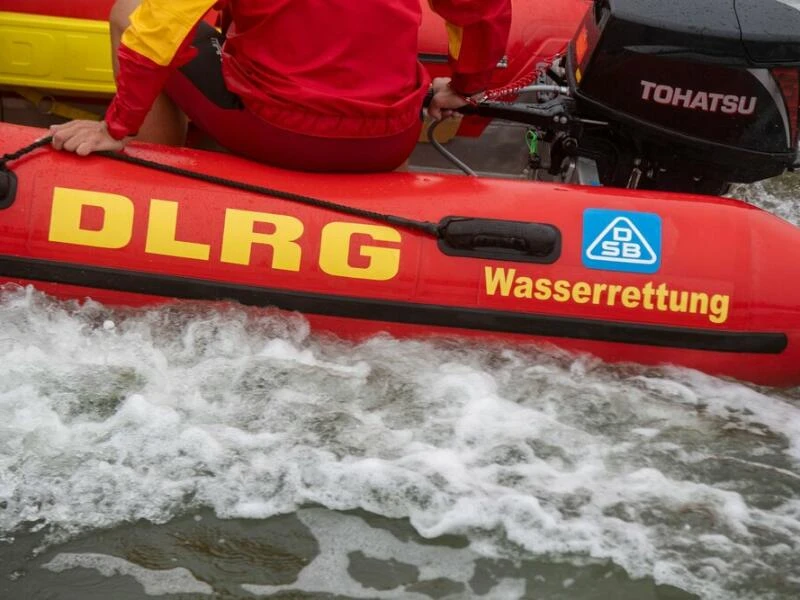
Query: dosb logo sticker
column 621, row 241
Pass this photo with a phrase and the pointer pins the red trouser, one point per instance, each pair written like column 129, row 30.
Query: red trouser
column 199, row 90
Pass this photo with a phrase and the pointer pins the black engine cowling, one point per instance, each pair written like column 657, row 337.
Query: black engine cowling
column 696, row 94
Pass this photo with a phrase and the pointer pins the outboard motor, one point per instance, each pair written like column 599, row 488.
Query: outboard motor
column 693, row 95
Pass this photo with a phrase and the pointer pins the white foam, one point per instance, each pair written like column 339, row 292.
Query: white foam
column 527, row 454
column 154, row 582
column 340, row 535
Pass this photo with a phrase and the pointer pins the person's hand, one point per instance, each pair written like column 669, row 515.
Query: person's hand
column 84, row 137
column 445, row 101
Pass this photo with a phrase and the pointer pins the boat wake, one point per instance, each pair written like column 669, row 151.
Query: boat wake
column 115, row 416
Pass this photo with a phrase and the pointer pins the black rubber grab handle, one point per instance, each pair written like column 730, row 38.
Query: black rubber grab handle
column 8, row 188
column 504, row 240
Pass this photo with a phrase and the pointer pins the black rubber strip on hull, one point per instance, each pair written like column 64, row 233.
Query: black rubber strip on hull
column 409, row 313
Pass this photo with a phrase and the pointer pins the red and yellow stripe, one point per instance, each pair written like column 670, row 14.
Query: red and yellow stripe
column 476, row 33
column 157, row 40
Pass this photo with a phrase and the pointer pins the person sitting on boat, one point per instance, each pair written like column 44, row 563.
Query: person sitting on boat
column 315, row 86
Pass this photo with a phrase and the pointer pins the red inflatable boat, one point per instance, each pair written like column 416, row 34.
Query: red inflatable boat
column 640, row 275
column 625, row 275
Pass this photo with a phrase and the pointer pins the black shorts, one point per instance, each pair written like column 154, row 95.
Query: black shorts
column 204, row 71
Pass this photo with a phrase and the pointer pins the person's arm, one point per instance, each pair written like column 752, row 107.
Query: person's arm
column 477, row 32
column 158, row 40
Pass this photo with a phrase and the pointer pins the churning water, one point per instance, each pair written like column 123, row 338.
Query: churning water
column 214, row 451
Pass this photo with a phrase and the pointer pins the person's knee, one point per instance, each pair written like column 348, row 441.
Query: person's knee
column 119, row 17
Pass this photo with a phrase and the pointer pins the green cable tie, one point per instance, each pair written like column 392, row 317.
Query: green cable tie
column 533, row 142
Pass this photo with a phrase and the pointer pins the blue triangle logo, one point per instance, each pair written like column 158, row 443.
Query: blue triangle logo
column 621, row 241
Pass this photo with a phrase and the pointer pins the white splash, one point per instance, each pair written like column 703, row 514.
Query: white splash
column 340, row 536
column 153, row 582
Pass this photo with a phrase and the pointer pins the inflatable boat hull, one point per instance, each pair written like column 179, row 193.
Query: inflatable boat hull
column 627, row 276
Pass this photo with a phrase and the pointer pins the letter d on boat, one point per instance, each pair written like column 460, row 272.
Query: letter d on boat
column 67, row 218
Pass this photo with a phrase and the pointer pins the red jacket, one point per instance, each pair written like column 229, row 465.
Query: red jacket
column 333, row 68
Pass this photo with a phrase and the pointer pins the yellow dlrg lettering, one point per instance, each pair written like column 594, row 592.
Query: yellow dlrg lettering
column 161, row 232
column 238, row 238
column 334, row 253
column 115, row 230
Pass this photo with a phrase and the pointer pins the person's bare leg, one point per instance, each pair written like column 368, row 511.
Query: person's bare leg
column 165, row 123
